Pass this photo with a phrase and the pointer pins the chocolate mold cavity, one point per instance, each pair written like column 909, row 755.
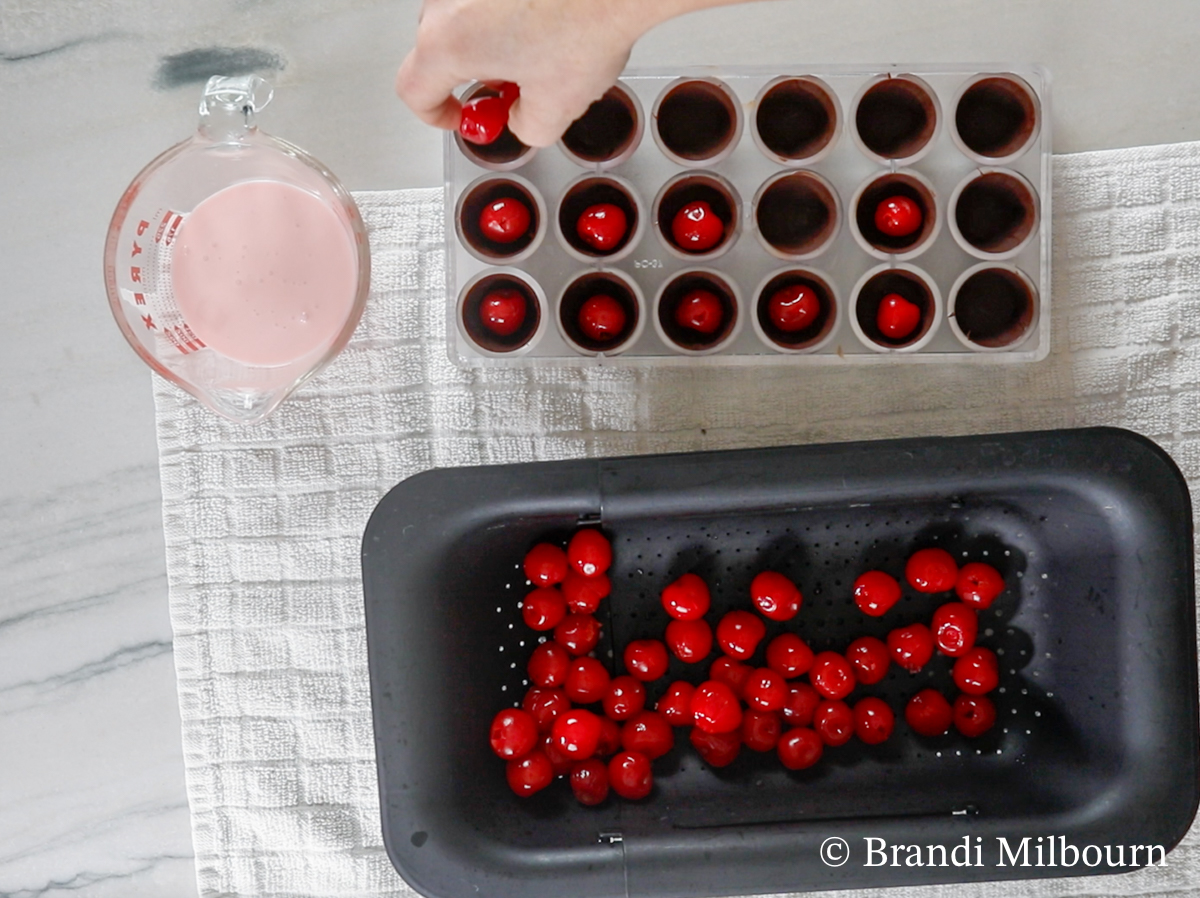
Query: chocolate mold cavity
column 810, row 338
column 482, row 194
column 687, row 339
column 909, row 185
column 911, row 283
column 697, row 121
column 896, row 118
column 687, row 188
column 996, row 117
column 596, row 283
column 505, row 152
column 796, row 120
column 994, row 213
column 992, row 307
column 796, row 214
column 472, row 323
column 590, row 191
column 608, row 133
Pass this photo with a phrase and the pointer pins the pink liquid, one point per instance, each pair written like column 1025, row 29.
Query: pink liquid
column 264, row 272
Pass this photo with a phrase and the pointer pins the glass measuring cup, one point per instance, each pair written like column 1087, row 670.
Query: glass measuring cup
column 236, row 265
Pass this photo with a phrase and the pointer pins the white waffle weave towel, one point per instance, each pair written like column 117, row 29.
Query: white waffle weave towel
column 263, row 523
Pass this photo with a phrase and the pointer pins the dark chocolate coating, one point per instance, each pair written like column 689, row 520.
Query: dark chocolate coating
column 793, row 120
column 695, row 120
column 866, row 307
column 488, row 339
column 810, row 334
column 605, row 130
column 584, row 288
column 674, row 293
column 993, row 307
column 795, row 214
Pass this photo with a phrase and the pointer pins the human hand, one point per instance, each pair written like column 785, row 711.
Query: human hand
column 564, row 54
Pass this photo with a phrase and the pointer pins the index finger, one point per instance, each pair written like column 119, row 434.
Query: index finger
column 428, row 92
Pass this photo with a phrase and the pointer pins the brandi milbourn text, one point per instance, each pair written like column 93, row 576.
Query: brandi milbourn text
column 1031, row 851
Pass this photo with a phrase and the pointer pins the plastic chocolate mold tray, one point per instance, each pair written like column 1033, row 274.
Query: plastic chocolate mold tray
column 1096, row 739
column 795, row 165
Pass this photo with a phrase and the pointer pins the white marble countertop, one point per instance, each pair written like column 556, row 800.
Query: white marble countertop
column 92, row 799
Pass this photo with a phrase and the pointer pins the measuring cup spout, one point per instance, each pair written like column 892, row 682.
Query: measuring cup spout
column 229, row 104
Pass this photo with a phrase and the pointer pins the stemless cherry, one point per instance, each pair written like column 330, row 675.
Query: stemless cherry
column 543, row 608
column 589, row 782
column 765, row 690
column 928, row 713
column 875, row 592
column 898, row 216
column 560, row 763
column 716, row 749
column 716, row 708
column 646, row 659
column 732, row 673
column 697, row 228
column 589, row 552
column 624, row 698
column 931, row 570
column 601, row 318
column 954, row 628
column 576, row 733
column 529, row 774
column 583, row 594
column 676, row 704
column 610, row 737
column 602, row 226
column 578, row 633
column 978, row 584
column 545, row 705
column 760, row 730
column 485, row 118
column 739, row 633
column 977, row 672
column 775, row 596
column 545, row 565
column 831, row 675
column 794, row 308
column 689, row 640
column 514, row 733
column 587, row 681
column 647, row 732
column 799, row 748
column 897, row 318
column 873, row 720
column 801, row 704
column 504, row 220
column 870, row 659
column 834, row 722
column 974, row 715
column 911, row 646
column 548, row 665
column 629, row 775
column 502, row 311
column 789, row 656
column 701, row 311
column 687, row 598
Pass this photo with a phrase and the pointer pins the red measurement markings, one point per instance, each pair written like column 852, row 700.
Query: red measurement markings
column 135, row 274
column 162, row 226
column 174, row 227
column 137, row 250
column 148, row 320
column 192, row 338
column 142, row 226
column 139, row 299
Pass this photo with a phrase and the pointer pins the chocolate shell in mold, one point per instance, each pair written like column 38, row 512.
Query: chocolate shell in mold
column 594, row 283
column 997, row 118
column 911, row 185
column 481, row 194
column 471, row 324
column 896, row 118
column 994, row 213
column 811, row 338
column 686, row 340
column 908, row 281
column 993, row 306
column 697, row 121
column 608, row 133
column 687, row 188
column 797, row 120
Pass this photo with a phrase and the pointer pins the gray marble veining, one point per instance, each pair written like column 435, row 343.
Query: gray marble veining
column 92, row 799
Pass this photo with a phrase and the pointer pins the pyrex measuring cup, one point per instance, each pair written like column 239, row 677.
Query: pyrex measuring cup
column 236, row 264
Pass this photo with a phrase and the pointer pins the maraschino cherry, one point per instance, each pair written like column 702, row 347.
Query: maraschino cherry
column 794, row 308
column 485, row 118
column 700, row 310
column 503, row 311
column 602, row 226
column 898, row 216
column 505, row 220
column 601, row 318
column 897, row 318
column 697, row 228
